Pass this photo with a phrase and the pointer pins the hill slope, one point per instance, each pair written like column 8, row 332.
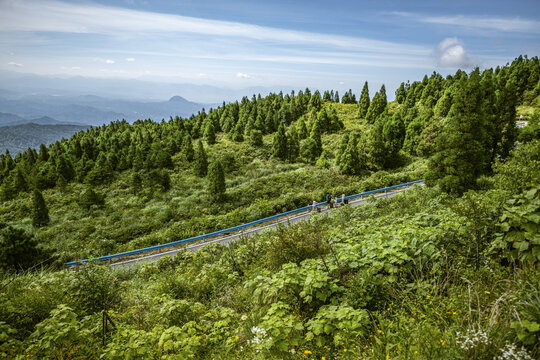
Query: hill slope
column 448, row 272
column 19, row 138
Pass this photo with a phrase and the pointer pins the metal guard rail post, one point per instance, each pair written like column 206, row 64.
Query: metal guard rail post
column 234, row 228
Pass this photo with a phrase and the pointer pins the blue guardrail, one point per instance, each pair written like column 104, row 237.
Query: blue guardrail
column 234, row 228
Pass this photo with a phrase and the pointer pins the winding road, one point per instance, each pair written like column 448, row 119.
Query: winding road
column 223, row 240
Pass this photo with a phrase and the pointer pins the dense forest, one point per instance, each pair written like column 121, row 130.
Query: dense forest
column 446, row 271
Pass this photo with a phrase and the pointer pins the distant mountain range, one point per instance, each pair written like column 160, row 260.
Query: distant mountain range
column 18, row 138
column 14, row 83
column 7, row 119
column 91, row 109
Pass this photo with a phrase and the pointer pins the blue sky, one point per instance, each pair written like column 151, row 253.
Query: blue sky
column 320, row 44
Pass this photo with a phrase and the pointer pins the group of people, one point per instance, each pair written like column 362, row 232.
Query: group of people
column 331, row 202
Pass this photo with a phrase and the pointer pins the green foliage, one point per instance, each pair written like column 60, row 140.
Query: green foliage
column 279, row 144
column 336, row 326
column 89, row 198
column 94, row 288
column 349, row 160
column 463, row 153
column 209, row 133
column 527, row 327
column 293, row 245
column 61, row 336
column 256, row 138
column 377, row 106
column 17, row 249
column 410, row 276
column 520, row 228
column 40, row 213
column 201, row 161
column 187, row 148
column 363, row 103
column 521, row 171
column 216, row 180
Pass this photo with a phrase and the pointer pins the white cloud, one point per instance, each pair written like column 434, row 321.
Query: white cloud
column 12, row 63
column 341, row 83
column 450, row 53
column 515, row 24
column 109, row 61
column 130, row 59
column 55, row 16
column 242, row 75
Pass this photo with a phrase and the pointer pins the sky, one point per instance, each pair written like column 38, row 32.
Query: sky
column 272, row 43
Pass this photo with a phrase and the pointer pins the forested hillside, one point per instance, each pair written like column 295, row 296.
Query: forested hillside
column 18, row 138
column 450, row 271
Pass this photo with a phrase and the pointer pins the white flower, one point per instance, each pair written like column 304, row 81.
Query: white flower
column 472, row 339
column 512, row 352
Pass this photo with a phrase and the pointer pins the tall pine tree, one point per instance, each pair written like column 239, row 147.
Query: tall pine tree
column 363, row 104
column 216, row 180
column 40, row 213
column 461, row 153
column 349, row 162
column 279, row 144
column 201, row 161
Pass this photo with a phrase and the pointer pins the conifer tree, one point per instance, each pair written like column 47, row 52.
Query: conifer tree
column 136, row 182
column 376, row 147
column 335, row 123
column 293, row 144
column 505, row 133
column 342, row 147
column 43, row 153
column 17, row 249
column 201, row 161
column 238, row 133
column 315, row 102
column 279, row 144
column 393, row 133
column 461, row 154
column 363, row 103
column 401, row 94
column 187, row 148
column 377, row 106
column 336, row 97
column 19, row 180
column 312, row 148
column 301, row 128
column 316, row 136
column 256, row 138
column 323, row 161
column 324, row 121
column 349, row 162
column 209, row 133
column 327, row 97
column 64, row 167
column 89, row 198
column 216, row 180
column 40, row 213
column 284, row 114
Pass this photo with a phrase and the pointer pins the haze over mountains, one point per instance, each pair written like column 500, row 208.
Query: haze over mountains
column 47, row 100
column 127, row 89
column 94, row 110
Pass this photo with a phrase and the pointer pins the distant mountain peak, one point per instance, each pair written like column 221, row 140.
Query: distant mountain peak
column 177, row 98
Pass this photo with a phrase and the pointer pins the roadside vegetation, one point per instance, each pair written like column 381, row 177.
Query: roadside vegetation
column 448, row 271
